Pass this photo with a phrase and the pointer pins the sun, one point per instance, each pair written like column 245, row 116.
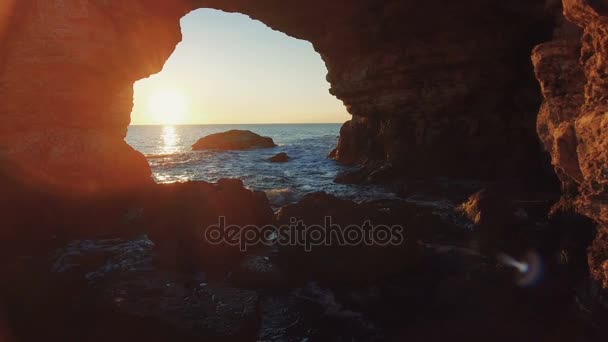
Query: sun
column 167, row 107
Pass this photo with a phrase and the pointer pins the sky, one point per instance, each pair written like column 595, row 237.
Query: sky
column 231, row 69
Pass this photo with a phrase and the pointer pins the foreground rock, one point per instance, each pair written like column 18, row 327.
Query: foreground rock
column 355, row 259
column 279, row 158
column 35, row 221
column 503, row 218
column 233, row 140
column 179, row 214
column 131, row 293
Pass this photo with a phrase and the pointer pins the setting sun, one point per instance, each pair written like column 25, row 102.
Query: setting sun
column 167, row 107
column 230, row 69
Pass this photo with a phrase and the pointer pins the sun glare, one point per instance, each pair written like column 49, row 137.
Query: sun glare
column 167, row 107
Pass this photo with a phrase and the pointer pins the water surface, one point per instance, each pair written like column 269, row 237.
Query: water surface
column 169, row 152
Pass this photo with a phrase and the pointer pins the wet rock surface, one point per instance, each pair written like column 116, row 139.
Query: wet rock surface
column 279, row 158
column 119, row 289
column 131, row 286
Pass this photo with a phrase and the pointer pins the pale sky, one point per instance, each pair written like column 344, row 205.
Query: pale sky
column 231, row 69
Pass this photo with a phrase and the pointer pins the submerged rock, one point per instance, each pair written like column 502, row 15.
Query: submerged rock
column 233, row 140
column 279, row 158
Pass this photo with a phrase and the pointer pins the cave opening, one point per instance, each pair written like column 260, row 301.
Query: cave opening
column 437, row 90
column 231, row 72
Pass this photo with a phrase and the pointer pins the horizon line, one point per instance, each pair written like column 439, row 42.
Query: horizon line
column 257, row 123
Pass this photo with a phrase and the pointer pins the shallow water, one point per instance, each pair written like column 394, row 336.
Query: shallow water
column 168, row 149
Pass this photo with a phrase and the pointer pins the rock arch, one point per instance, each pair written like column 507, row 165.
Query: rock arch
column 69, row 65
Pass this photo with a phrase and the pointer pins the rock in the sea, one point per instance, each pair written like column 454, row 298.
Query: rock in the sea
column 356, row 258
column 233, row 140
column 279, row 158
column 369, row 174
column 179, row 214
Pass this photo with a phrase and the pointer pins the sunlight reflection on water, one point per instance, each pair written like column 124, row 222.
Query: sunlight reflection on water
column 171, row 140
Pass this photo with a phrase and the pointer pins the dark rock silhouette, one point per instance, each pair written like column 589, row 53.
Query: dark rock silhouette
column 233, row 140
column 344, row 262
column 279, row 158
column 179, row 214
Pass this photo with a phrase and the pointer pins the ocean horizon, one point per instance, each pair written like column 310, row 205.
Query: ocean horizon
column 242, row 124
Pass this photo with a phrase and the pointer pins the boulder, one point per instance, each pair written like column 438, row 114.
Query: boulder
column 179, row 214
column 233, row 140
column 496, row 219
column 279, row 158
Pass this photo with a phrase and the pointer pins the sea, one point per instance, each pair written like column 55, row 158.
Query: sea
column 169, row 152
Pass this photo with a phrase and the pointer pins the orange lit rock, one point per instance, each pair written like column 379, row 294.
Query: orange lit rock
column 573, row 120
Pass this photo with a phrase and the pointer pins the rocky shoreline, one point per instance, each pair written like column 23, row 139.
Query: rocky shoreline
column 136, row 286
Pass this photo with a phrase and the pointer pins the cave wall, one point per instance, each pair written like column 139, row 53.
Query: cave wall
column 67, row 69
column 434, row 87
column 573, row 121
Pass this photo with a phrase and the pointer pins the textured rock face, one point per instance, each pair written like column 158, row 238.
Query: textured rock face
column 572, row 122
column 66, row 88
column 449, row 92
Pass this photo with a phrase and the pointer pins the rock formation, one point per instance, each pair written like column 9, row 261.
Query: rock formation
column 66, row 88
column 336, row 254
column 233, row 140
column 279, row 158
column 572, row 122
column 435, row 88
column 179, row 215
